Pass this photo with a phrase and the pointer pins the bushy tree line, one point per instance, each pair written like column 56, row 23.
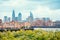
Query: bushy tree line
column 30, row 35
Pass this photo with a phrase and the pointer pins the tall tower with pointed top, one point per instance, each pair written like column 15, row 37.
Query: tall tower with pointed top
column 13, row 15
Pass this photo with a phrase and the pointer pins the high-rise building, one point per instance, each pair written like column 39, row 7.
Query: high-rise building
column 28, row 19
column 5, row 19
column 31, row 16
column 13, row 16
column 0, row 22
column 46, row 19
column 8, row 19
column 16, row 19
column 19, row 17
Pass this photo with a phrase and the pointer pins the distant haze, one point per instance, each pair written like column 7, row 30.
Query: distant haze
column 39, row 8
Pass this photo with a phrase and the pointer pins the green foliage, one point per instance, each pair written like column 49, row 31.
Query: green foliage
column 30, row 35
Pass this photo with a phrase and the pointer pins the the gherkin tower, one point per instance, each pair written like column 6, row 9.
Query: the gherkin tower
column 19, row 17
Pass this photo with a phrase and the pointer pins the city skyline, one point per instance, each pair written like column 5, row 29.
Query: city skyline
column 39, row 8
column 18, row 18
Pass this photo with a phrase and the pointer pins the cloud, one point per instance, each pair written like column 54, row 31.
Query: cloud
column 52, row 4
column 42, row 11
column 2, row 1
column 42, row 8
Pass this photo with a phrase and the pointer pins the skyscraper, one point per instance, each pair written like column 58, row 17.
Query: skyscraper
column 16, row 19
column 5, row 19
column 19, row 17
column 31, row 16
column 8, row 19
column 0, row 21
column 13, row 16
column 46, row 19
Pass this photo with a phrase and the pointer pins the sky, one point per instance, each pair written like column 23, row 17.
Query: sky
column 39, row 8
